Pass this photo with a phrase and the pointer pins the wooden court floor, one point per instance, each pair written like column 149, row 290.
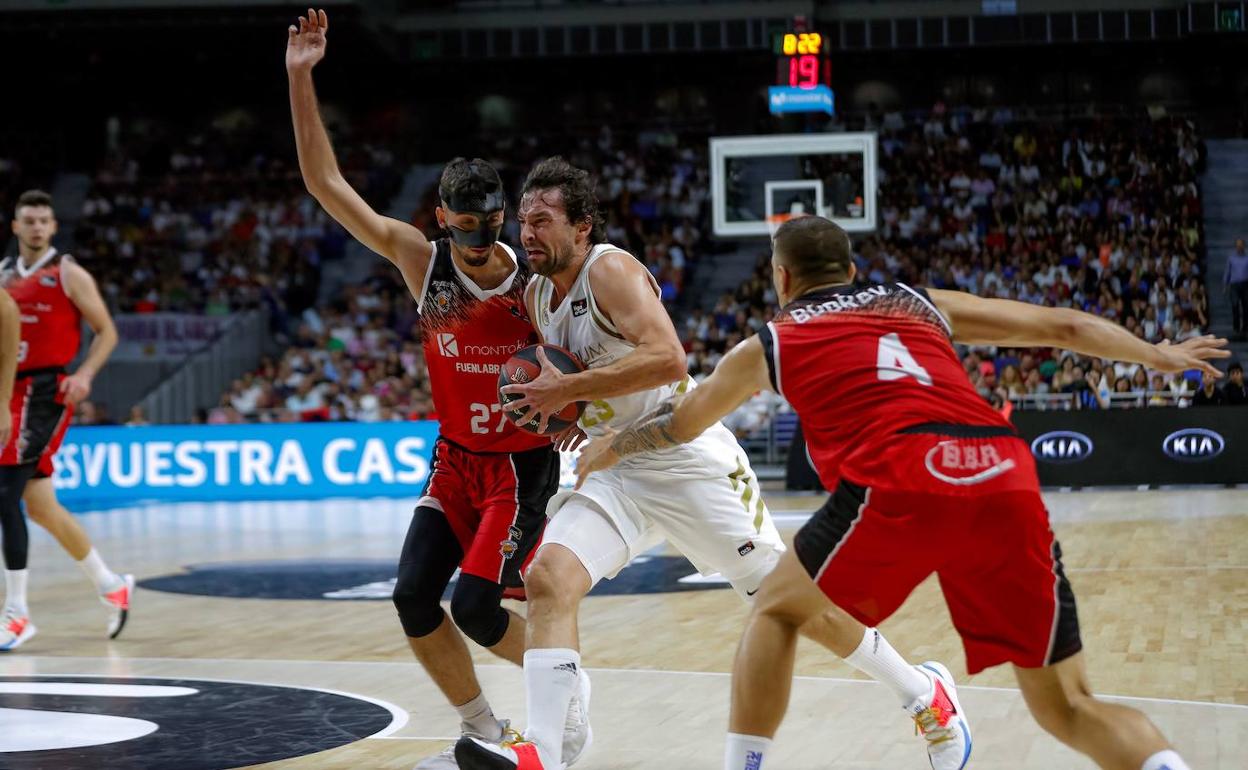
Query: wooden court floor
column 1161, row 579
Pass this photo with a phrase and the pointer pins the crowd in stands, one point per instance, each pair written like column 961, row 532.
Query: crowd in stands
column 212, row 222
column 1103, row 216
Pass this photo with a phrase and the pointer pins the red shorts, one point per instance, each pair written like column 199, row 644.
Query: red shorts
column 971, row 512
column 40, row 419
column 495, row 504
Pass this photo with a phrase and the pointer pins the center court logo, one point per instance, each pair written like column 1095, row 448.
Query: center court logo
column 448, row 345
column 1062, row 447
column 374, row 579
column 1193, row 445
column 76, row 723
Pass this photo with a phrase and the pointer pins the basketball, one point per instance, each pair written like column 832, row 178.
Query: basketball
column 524, row 367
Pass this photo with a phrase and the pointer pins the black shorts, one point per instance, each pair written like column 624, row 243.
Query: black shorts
column 40, row 419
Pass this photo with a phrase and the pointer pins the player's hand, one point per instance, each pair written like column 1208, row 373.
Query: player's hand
column 569, row 439
column 1195, row 353
column 597, row 455
column 305, row 43
column 76, row 387
column 543, row 396
column 6, row 427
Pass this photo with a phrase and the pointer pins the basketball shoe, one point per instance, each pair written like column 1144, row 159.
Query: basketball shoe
column 15, row 628
column 118, row 603
column 939, row 717
column 446, row 760
column 476, row 754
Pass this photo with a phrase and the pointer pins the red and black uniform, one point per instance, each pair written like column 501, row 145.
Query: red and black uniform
column 925, row 476
column 51, row 334
column 489, row 481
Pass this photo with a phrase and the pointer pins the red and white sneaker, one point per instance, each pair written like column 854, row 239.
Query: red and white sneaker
column 476, row 754
column 118, row 604
column 15, row 628
column 942, row 722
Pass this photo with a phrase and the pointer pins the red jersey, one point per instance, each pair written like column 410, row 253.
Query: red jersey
column 860, row 364
column 468, row 334
column 51, row 322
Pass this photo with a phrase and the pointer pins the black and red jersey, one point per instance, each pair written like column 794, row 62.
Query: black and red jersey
column 468, row 334
column 861, row 363
column 51, row 322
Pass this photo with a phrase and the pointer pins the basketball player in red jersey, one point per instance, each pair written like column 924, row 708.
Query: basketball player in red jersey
column 925, row 477
column 55, row 295
column 484, row 507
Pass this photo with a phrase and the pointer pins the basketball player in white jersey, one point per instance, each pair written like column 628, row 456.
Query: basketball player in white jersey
column 598, row 301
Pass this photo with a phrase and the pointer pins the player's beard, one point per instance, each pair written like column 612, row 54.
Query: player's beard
column 472, row 260
column 556, row 261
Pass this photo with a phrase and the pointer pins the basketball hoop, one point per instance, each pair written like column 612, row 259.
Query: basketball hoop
column 775, row 220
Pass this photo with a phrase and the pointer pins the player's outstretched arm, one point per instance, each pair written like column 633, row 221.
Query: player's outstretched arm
column 739, row 375
column 980, row 321
column 10, row 340
column 399, row 242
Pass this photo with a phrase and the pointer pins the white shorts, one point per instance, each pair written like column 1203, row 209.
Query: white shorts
column 703, row 498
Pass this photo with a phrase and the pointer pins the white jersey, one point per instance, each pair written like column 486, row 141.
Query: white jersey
column 702, row 496
column 578, row 325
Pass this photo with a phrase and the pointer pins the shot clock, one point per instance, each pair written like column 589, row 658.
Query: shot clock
column 803, row 73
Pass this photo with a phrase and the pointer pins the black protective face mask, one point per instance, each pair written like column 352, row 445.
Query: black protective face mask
column 480, row 238
column 481, row 208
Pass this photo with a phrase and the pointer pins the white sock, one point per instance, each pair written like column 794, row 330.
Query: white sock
column 104, row 578
column 15, row 590
column 876, row 658
column 745, row 752
column 551, row 678
column 478, row 715
column 1165, row 760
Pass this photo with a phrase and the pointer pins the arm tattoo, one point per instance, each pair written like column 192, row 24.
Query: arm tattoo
column 652, row 432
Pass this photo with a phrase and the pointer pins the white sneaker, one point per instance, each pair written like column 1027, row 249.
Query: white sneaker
column 940, row 719
column 15, row 628
column 118, row 604
column 446, row 760
column 578, row 736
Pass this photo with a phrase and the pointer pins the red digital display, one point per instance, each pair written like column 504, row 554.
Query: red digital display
column 803, row 60
column 804, row 71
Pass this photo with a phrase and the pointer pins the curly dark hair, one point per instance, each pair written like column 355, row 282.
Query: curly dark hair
column 580, row 200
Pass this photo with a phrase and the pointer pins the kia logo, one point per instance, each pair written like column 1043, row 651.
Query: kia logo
column 1193, row 445
column 1062, row 446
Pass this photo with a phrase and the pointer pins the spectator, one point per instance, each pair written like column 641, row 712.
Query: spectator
column 1235, row 284
column 137, row 418
column 1209, row 394
column 1234, row 392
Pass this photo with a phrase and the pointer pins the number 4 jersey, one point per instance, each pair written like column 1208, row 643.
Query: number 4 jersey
column 468, row 334
column 862, row 363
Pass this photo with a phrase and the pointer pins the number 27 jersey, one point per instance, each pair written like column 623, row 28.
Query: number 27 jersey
column 468, row 334
column 861, row 363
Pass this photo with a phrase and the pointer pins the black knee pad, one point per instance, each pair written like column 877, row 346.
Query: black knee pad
column 430, row 555
column 13, row 532
column 476, row 610
column 417, row 599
